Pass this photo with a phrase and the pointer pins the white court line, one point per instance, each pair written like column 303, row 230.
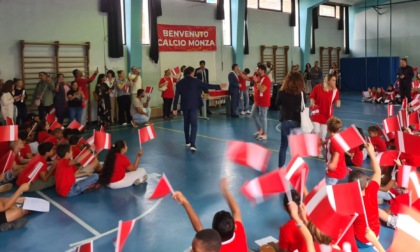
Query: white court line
column 70, row 214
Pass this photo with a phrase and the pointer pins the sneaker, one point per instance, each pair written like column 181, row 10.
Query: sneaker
column 188, row 144
column 19, row 223
column 392, row 221
column 6, row 187
column 262, row 137
column 135, row 125
column 257, row 134
column 248, row 112
column 124, row 124
column 148, row 123
column 193, row 148
column 242, row 112
column 142, row 180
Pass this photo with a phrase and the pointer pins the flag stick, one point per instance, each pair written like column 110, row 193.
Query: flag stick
column 302, row 186
column 347, row 228
column 363, row 203
column 286, row 184
column 7, row 161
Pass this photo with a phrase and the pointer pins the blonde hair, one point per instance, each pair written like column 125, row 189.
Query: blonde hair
column 327, row 78
column 334, row 124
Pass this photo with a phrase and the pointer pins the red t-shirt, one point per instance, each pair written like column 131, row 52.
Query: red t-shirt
column 75, row 150
column 370, row 200
column 262, row 99
column 29, row 168
column 242, row 81
column 340, row 171
column 378, row 143
column 25, row 151
column 358, row 156
column 42, row 136
column 169, row 92
column 120, row 166
column 238, row 241
column 64, row 177
column 323, row 100
column 290, row 238
column 83, row 84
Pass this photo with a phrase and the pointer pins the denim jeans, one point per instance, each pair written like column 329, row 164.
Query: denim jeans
column 82, row 185
column 243, row 100
column 286, row 127
column 330, row 181
column 140, row 119
column 259, row 114
column 75, row 113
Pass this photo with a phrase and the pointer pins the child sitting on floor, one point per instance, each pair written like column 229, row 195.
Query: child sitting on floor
column 11, row 216
column 377, row 142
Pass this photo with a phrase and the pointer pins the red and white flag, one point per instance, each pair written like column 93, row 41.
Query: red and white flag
column 390, row 110
column 91, row 140
column 149, row 90
column 175, row 71
column 75, row 125
column 56, row 125
column 403, row 118
column 415, row 103
column 348, row 138
column 382, row 133
column 407, row 143
column 414, row 185
column 102, row 128
column 81, row 141
column 407, row 235
column 297, row 173
column 391, row 124
column 88, row 159
column 9, row 121
column 87, row 247
column 124, row 230
column 146, row 134
column 162, row 189
column 265, row 186
column 304, row 145
column 50, row 118
column 8, row 133
column 413, row 118
column 387, row 158
column 35, row 171
column 248, row 154
column 102, row 140
column 9, row 161
column 403, row 177
column 404, row 104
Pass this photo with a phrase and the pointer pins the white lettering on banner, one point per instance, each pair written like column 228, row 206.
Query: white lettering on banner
column 185, row 34
column 172, row 42
column 201, row 43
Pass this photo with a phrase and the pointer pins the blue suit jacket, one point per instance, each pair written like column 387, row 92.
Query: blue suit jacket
column 190, row 90
column 233, row 82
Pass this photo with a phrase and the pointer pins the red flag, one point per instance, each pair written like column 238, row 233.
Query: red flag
column 87, row 247
column 149, row 90
column 124, row 230
column 102, row 140
column 404, row 104
column 162, row 189
column 414, row 186
column 407, row 235
column 415, row 103
column 407, row 143
column 382, row 133
column 146, row 134
column 102, row 129
column 9, row 121
column 400, row 200
column 88, row 159
column 267, row 185
column 175, row 71
column 8, row 133
column 413, row 118
column 81, row 141
column 348, row 138
column 56, row 125
column 403, row 177
column 403, row 118
column 248, row 154
column 304, row 145
column 387, row 158
column 9, row 161
column 391, row 124
column 51, row 116
column 91, row 140
column 390, row 110
column 75, row 125
column 297, row 173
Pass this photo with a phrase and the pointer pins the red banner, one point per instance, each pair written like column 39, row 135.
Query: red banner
column 176, row 38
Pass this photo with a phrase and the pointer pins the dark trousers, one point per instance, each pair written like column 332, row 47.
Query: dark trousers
column 21, row 116
column 405, row 91
column 44, row 110
column 234, row 102
column 124, row 103
column 167, row 103
column 190, row 119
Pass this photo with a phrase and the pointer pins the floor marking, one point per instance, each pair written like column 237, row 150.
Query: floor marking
column 70, row 214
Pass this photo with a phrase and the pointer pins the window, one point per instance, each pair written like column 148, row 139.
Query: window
column 123, row 21
column 327, row 11
column 337, row 12
column 227, row 35
column 276, row 5
column 145, row 27
column 296, row 29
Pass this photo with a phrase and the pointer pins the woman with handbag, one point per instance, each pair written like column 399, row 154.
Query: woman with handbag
column 290, row 99
column 166, row 85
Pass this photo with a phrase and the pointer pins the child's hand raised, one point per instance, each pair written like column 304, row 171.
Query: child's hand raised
column 179, row 197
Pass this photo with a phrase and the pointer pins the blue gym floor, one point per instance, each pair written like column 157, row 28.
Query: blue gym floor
column 163, row 224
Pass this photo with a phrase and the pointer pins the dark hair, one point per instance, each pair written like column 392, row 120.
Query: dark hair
column 23, row 135
column 44, row 73
column 110, row 72
column 293, row 83
column 246, row 70
column 233, row 66
column 62, row 149
column 262, row 67
column 202, row 62
column 67, row 133
column 183, row 68
column 373, row 129
column 306, row 66
column 75, row 72
column 224, row 224
column 74, row 139
column 40, row 127
column 404, row 59
column 209, row 239
column 8, row 87
column 99, row 81
column 188, row 71
column 109, row 164
column 295, row 197
column 16, row 80
column 45, row 147
column 358, row 175
column 140, row 91
column 60, row 74
column 120, row 71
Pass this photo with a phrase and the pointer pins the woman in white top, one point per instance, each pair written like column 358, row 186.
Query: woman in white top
column 7, row 100
column 110, row 80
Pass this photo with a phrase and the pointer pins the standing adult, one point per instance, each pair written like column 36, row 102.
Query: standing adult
column 307, row 78
column 102, row 92
column 136, row 81
column 334, row 70
column 44, row 92
column 110, row 81
column 323, row 97
column 60, row 98
column 234, row 86
column 76, row 98
column 139, row 110
column 123, row 87
column 243, row 92
column 20, row 97
column 289, row 99
column 166, row 85
column 83, row 84
column 190, row 89
column 405, row 76
column 316, row 74
column 202, row 73
column 7, row 100
column 262, row 96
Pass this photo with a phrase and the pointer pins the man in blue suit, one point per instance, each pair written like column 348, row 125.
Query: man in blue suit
column 190, row 88
column 234, row 90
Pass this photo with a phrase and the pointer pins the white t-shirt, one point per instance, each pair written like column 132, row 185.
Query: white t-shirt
column 137, row 84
